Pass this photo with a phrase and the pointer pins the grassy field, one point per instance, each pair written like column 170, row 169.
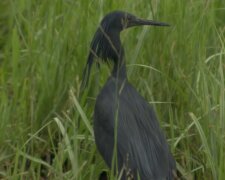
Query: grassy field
column 46, row 123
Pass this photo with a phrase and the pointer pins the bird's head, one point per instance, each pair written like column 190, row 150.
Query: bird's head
column 106, row 43
column 119, row 20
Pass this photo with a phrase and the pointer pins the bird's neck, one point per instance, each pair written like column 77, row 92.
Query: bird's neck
column 119, row 68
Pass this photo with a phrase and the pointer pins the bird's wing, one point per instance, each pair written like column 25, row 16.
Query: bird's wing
column 145, row 145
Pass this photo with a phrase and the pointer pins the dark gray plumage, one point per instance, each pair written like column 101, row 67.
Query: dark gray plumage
column 122, row 118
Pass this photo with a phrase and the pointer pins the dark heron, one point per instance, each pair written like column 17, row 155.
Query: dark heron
column 127, row 133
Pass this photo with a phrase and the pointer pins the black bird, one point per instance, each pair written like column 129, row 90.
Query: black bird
column 127, row 133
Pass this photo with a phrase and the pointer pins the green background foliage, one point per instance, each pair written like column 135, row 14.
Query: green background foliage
column 46, row 123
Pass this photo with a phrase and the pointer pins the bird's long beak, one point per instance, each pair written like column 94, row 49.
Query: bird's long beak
column 140, row 22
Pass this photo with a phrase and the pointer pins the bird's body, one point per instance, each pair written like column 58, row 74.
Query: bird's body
column 140, row 142
column 125, row 124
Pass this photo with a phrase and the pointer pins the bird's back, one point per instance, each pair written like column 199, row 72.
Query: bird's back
column 141, row 145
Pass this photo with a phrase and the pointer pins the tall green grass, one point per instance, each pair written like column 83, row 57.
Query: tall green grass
column 45, row 122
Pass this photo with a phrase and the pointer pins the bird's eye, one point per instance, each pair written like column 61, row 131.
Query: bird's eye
column 129, row 18
column 125, row 21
